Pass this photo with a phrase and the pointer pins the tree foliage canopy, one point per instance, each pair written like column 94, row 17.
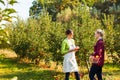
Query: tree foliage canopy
column 40, row 38
column 5, row 15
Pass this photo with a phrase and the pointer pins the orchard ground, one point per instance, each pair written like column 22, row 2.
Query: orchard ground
column 12, row 69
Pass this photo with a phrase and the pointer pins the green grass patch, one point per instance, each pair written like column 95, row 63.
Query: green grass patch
column 11, row 68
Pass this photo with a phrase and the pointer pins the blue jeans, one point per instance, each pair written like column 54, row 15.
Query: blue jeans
column 68, row 74
column 95, row 70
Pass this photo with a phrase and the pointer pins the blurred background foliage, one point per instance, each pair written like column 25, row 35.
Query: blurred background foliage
column 5, row 16
column 40, row 37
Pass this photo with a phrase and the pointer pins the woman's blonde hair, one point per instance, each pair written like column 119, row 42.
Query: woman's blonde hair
column 100, row 31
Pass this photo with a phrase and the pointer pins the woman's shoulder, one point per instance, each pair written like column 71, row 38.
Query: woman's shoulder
column 64, row 40
column 100, row 42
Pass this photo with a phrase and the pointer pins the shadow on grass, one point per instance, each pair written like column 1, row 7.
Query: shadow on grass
column 10, row 63
column 25, row 71
column 114, row 72
column 112, row 65
column 32, row 75
column 30, row 72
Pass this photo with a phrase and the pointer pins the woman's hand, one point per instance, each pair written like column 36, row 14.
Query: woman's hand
column 77, row 48
column 91, row 59
column 94, row 59
column 74, row 50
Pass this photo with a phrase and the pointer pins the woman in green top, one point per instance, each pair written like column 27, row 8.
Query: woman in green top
column 68, row 49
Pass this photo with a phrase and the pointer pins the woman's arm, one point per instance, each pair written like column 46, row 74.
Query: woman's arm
column 100, row 48
column 64, row 48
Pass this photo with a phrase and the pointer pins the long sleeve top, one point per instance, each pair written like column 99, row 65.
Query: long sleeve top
column 65, row 47
column 99, row 51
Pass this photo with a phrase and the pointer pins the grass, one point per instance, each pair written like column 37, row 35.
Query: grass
column 11, row 68
column 112, row 71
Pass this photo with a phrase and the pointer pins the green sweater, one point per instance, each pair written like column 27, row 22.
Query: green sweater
column 65, row 46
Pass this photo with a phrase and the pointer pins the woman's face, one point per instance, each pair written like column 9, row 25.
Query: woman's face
column 97, row 35
column 71, row 35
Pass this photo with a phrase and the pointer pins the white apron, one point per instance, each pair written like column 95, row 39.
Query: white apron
column 69, row 63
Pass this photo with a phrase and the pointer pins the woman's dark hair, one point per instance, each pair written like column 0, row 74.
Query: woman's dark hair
column 68, row 32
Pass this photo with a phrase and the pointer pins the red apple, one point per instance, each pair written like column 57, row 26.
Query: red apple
column 77, row 48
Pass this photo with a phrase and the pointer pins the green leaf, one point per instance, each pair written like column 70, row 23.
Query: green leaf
column 42, row 1
column 5, row 15
column 9, row 19
column 9, row 10
column 2, row 32
column 1, row 1
column 12, row 2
